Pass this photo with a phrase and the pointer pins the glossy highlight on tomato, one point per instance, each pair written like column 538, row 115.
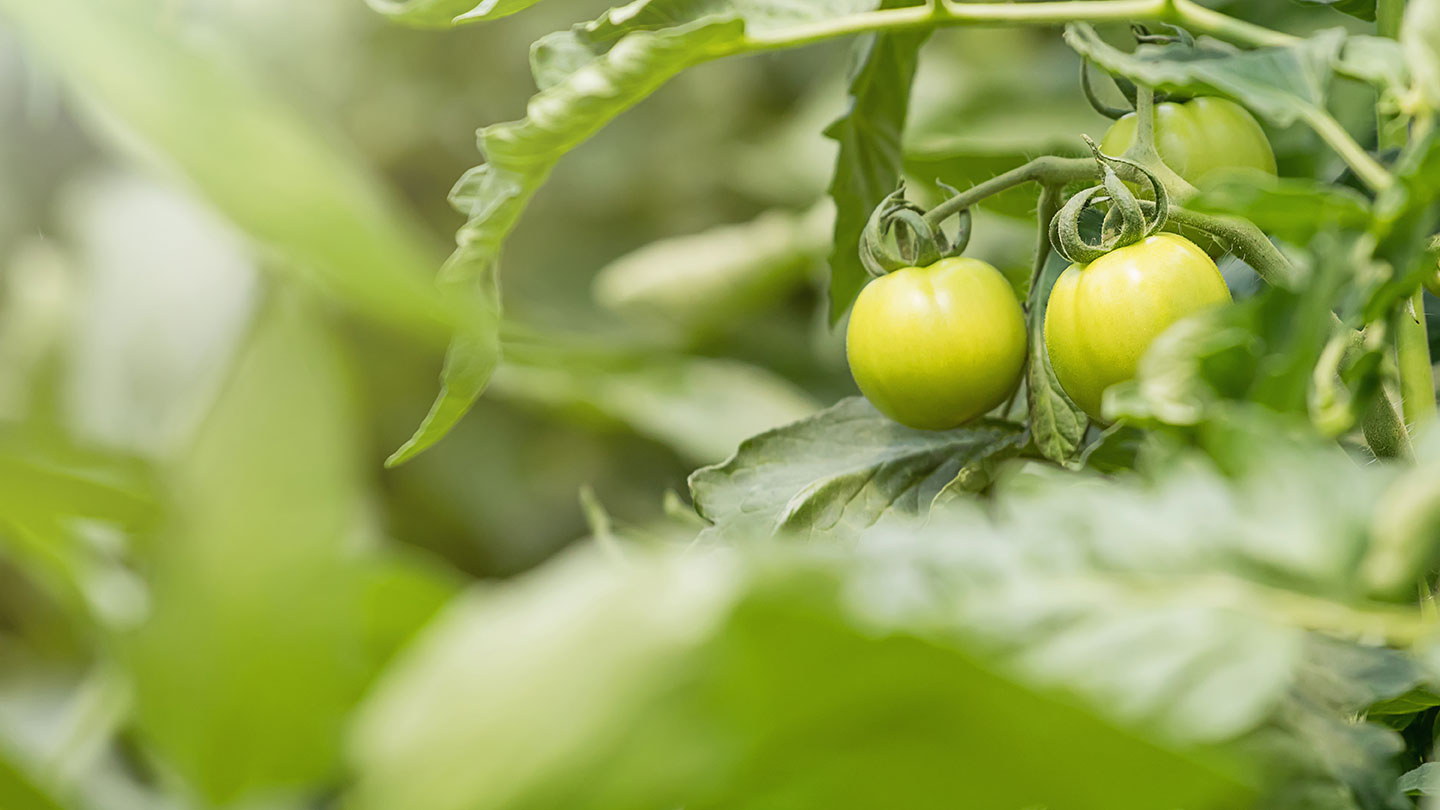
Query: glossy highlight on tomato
column 934, row 347
column 1101, row 317
column 1199, row 137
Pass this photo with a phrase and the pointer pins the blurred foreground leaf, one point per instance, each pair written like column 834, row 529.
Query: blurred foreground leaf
column 268, row 621
column 259, row 163
column 712, row 681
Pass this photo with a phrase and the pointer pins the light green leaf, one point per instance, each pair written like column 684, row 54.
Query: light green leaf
column 1057, row 425
column 445, row 13
column 840, row 471
column 257, row 162
column 267, row 624
column 713, row 680
column 870, row 160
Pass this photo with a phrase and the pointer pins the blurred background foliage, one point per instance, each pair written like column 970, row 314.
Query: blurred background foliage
column 193, row 510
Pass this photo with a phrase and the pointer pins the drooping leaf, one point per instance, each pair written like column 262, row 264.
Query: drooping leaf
column 870, row 160
column 257, row 162
column 721, row 680
column 521, row 155
column 840, row 471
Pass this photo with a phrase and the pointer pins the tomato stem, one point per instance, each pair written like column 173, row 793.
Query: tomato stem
column 937, row 13
column 1048, row 170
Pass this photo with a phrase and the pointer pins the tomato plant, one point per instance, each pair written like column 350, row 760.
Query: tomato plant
column 1070, row 513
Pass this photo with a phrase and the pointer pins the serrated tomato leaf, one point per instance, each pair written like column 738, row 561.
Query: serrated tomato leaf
column 840, row 471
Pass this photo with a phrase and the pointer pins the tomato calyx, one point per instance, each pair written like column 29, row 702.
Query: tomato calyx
column 899, row 235
column 1125, row 221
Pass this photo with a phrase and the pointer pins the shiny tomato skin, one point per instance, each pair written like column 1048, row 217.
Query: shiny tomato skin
column 1199, row 137
column 934, row 347
column 1101, row 317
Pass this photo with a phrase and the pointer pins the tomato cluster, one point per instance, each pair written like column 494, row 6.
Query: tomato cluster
column 933, row 347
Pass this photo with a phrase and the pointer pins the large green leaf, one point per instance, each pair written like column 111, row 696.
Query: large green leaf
column 257, row 162
column 870, row 159
column 841, row 471
column 1284, row 85
column 716, row 680
column 267, row 622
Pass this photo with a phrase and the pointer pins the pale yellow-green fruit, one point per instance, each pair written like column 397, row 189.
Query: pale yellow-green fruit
column 1199, row 137
column 1101, row 317
column 934, row 347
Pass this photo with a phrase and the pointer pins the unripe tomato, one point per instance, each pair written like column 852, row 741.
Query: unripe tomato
column 1103, row 316
column 932, row 347
column 1198, row 137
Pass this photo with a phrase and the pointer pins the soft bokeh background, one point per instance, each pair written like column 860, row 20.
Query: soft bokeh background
column 195, row 524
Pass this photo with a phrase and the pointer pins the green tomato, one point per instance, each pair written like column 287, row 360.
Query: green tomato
column 1103, row 316
column 932, row 347
column 1198, row 137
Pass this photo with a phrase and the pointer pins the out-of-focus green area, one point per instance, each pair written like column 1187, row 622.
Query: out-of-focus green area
column 219, row 220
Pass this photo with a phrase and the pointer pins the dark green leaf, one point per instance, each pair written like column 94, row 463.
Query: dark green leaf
column 840, row 471
column 1057, row 425
column 1364, row 9
column 870, row 160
